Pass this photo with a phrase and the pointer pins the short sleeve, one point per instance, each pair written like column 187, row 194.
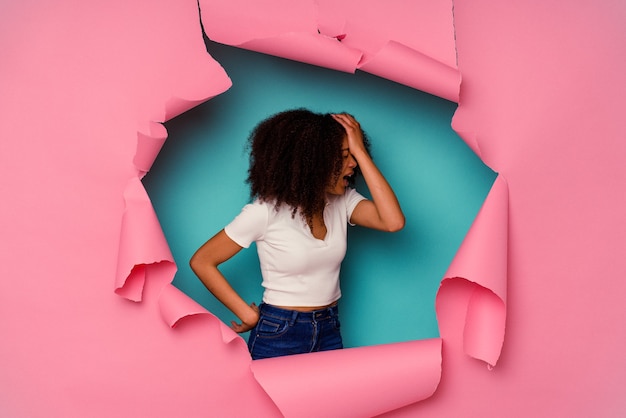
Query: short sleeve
column 249, row 225
column 353, row 198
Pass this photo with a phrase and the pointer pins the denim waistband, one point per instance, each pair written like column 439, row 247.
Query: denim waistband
column 298, row 315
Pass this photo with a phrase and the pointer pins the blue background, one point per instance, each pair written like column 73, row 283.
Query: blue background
column 389, row 281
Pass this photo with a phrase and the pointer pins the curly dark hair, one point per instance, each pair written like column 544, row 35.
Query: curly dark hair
column 294, row 156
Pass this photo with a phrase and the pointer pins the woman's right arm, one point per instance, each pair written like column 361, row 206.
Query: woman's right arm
column 205, row 262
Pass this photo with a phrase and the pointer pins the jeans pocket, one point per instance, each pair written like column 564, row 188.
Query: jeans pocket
column 271, row 338
column 271, row 327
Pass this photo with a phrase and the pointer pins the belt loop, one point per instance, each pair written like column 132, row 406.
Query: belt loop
column 294, row 316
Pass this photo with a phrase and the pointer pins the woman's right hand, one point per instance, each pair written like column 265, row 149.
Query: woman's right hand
column 248, row 324
column 204, row 263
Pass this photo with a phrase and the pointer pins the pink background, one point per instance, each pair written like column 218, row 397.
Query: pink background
column 83, row 89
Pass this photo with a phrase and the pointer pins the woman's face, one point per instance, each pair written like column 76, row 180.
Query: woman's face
column 338, row 187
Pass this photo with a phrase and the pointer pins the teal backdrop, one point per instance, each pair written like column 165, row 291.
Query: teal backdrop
column 389, row 281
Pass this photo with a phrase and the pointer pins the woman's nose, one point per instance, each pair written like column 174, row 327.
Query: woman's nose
column 352, row 163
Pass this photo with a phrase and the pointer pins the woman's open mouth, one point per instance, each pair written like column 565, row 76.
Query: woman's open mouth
column 346, row 179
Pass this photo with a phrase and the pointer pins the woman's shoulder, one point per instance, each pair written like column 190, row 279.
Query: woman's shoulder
column 346, row 203
column 266, row 209
column 257, row 210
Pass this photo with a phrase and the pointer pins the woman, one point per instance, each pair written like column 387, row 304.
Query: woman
column 301, row 166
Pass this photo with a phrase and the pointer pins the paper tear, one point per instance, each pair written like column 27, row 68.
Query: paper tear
column 175, row 106
column 483, row 335
column 175, row 306
column 409, row 372
column 148, row 147
column 142, row 242
column 414, row 368
column 299, row 37
column 404, row 65
column 482, row 260
column 314, row 49
column 470, row 137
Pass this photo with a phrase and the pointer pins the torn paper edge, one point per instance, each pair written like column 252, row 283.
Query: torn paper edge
column 482, row 259
column 131, row 276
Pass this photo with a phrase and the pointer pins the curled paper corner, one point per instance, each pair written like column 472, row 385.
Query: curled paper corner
column 142, row 243
column 133, row 285
column 175, row 306
column 148, row 147
column 284, row 29
column 407, row 66
column 470, row 137
column 308, row 48
column 483, row 253
column 477, row 280
column 477, row 315
column 300, row 33
column 218, row 84
column 409, row 372
column 149, row 143
column 485, row 325
column 201, row 85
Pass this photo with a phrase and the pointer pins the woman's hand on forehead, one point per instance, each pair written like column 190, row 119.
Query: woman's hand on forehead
column 353, row 131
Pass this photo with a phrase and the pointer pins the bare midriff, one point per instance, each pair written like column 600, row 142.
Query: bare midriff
column 306, row 308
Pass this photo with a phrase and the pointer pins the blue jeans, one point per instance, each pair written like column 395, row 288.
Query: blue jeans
column 281, row 332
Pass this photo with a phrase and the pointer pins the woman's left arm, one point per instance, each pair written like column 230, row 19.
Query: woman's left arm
column 383, row 212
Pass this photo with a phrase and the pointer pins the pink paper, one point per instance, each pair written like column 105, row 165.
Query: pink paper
column 282, row 28
column 308, row 48
column 84, row 88
column 142, row 242
column 148, row 147
column 413, row 44
column 348, row 35
column 420, row 25
column 175, row 306
column 412, row 68
column 482, row 260
column 355, row 382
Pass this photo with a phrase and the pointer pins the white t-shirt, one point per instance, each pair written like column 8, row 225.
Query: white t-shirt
column 297, row 268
